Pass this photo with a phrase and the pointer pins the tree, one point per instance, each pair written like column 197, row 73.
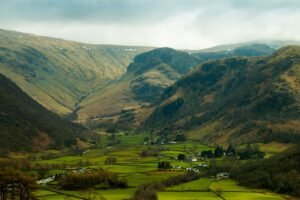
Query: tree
column 164, row 165
column 251, row 152
column 42, row 170
column 181, row 157
column 180, row 138
column 145, row 192
column 230, row 151
column 207, row 154
column 218, row 152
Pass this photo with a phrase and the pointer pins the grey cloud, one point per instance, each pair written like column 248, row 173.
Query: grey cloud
column 126, row 11
column 105, row 11
column 175, row 23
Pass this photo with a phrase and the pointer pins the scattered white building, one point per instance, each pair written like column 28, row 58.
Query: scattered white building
column 46, row 180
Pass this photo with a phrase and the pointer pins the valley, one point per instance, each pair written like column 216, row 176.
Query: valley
column 85, row 121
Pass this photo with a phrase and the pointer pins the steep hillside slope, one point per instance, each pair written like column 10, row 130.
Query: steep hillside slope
column 142, row 85
column 26, row 125
column 235, row 99
column 58, row 73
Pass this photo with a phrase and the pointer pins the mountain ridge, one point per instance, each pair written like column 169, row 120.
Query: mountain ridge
column 146, row 78
column 235, row 98
column 58, row 73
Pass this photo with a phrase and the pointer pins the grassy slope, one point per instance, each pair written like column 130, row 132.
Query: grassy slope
column 236, row 99
column 144, row 82
column 26, row 125
column 58, row 73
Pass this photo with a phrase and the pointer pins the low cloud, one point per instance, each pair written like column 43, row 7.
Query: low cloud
column 192, row 24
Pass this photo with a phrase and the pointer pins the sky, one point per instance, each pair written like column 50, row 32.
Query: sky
column 182, row 24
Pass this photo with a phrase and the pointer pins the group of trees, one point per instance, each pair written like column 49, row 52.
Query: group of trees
column 89, row 179
column 16, row 185
column 280, row 173
column 151, row 151
column 248, row 152
column 164, row 165
column 9, row 164
column 149, row 191
column 180, row 138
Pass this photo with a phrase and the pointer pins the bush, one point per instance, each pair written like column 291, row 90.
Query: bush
column 181, row 157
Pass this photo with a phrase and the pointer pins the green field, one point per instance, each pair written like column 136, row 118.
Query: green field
column 250, row 196
column 209, row 188
column 227, row 185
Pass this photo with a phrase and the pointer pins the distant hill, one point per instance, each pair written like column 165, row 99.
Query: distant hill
column 235, row 100
column 275, row 44
column 58, row 73
column 25, row 125
column 145, row 80
column 249, row 50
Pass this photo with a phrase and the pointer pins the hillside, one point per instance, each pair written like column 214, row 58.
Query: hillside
column 58, row 73
column 235, row 99
column 26, row 125
column 147, row 77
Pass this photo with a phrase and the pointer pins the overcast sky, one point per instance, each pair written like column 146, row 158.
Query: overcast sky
column 190, row 24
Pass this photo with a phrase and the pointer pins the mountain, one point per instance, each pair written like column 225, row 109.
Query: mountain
column 237, row 100
column 26, row 125
column 248, row 50
column 57, row 73
column 126, row 101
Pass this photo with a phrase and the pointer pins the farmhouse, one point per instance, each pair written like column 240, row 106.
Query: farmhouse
column 222, row 175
